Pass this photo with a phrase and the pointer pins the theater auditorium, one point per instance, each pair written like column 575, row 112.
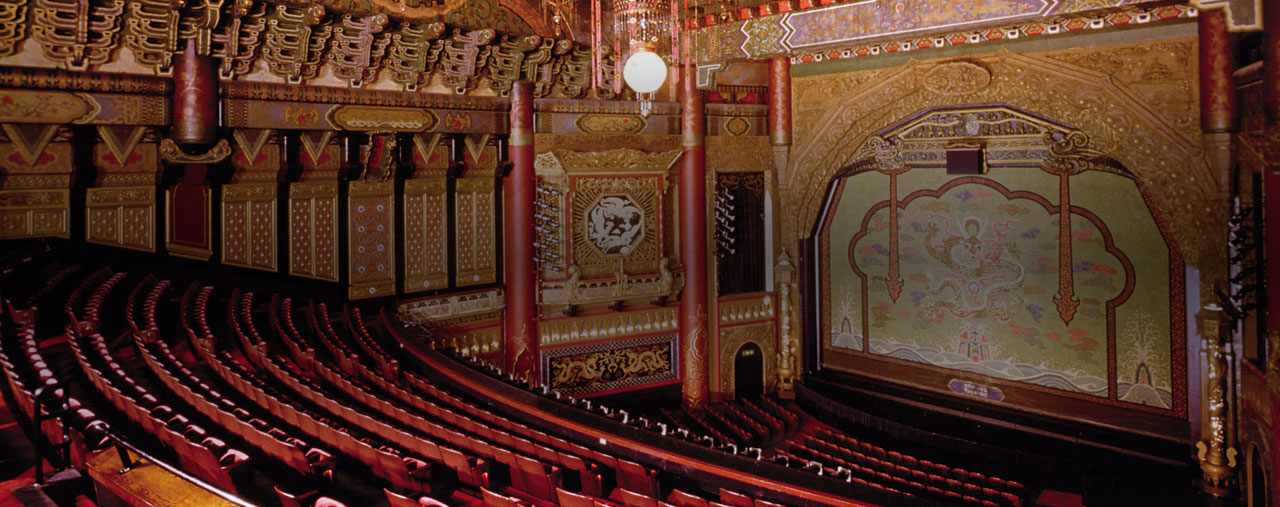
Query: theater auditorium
column 640, row 253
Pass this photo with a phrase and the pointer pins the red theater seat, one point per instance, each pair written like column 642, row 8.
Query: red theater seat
column 682, row 499
column 735, row 499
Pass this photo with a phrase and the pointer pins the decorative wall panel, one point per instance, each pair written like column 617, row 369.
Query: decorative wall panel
column 250, row 202
column 426, row 217
column 313, row 233
column 616, row 224
column 34, row 213
column 121, row 216
column 34, row 191
column 611, row 366
column 371, row 249
column 475, row 229
column 249, row 225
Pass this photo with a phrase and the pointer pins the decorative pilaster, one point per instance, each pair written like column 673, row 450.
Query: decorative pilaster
column 521, row 318
column 1271, row 235
column 1216, row 457
column 786, row 342
column 1219, row 117
column 693, row 242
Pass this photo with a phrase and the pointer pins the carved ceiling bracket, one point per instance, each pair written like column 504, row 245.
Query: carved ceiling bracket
column 77, row 33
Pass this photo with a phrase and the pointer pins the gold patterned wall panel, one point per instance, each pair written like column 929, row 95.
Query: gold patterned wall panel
column 249, row 225
column 121, row 216
column 313, row 233
column 1139, row 107
column 371, row 249
column 34, row 213
column 732, row 339
column 426, row 254
column 475, row 232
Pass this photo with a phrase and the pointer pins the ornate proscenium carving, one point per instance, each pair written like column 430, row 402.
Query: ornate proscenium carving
column 1217, row 459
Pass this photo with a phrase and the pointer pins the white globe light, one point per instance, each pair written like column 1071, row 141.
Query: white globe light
column 644, row 71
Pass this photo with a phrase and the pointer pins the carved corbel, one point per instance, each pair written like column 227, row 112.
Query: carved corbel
column 13, row 25
column 359, row 45
column 507, row 61
column 236, row 43
column 541, row 68
column 414, row 52
column 77, row 33
column 295, row 42
column 573, row 72
column 172, row 154
column 152, row 33
column 464, row 57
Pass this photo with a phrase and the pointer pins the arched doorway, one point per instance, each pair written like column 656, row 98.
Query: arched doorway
column 748, row 371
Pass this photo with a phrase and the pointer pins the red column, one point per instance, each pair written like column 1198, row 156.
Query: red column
column 693, row 242
column 195, row 97
column 1271, row 193
column 1271, row 61
column 1271, row 173
column 1217, row 63
column 520, row 330
column 780, row 101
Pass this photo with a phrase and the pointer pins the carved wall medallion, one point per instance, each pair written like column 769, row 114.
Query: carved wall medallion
column 615, row 220
column 957, row 78
column 615, row 225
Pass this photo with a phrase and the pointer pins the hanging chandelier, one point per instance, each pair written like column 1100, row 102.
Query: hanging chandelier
column 642, row 35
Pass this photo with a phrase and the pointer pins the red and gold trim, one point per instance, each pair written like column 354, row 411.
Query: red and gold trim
column 195, row 98
column 1218, row 112
column 520, row 333
column 780, row 101
column 693, row 244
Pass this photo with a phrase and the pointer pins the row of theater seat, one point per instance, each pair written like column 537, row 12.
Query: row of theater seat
column 863, row 463
column 206, row 456
column 369, row 408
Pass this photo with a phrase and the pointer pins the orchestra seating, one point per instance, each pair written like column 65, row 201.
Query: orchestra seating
column 291, row 401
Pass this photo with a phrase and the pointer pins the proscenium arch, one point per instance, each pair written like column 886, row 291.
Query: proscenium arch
column 1011, row 138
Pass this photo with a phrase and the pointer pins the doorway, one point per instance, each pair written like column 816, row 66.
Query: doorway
column 748, row 371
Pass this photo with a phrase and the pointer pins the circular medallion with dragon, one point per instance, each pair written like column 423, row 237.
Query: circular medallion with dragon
column 615, row 225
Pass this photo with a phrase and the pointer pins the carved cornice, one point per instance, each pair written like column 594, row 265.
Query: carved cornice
column 619, row 160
